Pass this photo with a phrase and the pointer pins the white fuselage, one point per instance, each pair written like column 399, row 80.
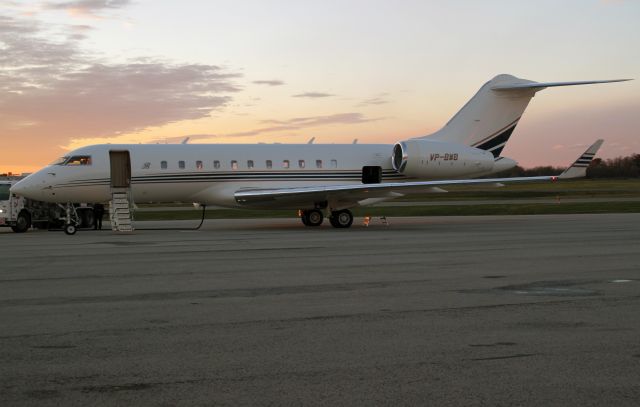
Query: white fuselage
column 210, row 174
column 207, row 174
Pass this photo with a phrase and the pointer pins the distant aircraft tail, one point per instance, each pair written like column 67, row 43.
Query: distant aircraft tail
column 579, row 168
column 488, row 119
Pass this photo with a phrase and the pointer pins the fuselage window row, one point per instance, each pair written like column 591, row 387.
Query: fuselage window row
column 286, row 164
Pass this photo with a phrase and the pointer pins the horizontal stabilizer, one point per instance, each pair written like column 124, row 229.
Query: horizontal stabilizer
column 542, row 85
column 579, row 168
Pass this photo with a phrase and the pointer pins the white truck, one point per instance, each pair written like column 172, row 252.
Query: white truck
column 21, row 213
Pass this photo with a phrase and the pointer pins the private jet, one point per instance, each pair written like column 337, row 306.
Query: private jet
column 319, row 181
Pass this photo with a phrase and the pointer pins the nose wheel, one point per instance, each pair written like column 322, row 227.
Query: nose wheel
column 341, row 219
column 70, row 229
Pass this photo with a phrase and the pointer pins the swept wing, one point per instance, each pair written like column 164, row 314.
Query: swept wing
column 350, row 194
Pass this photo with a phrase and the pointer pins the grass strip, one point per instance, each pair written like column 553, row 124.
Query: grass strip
column 438, row 210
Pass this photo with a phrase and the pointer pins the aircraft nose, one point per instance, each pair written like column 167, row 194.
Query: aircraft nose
column 20, row 188
column 27, row 188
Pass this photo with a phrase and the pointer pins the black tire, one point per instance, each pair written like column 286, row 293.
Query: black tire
column 70, row 229
column 23, row 222
column 341, row 219
column 313, row 217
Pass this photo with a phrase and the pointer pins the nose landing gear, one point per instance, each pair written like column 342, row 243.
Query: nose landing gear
column 71, row 219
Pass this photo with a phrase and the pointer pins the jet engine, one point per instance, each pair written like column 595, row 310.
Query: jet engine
column 423, row 158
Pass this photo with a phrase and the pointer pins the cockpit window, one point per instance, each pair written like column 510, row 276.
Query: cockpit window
column 60, row 160
column 79, row 160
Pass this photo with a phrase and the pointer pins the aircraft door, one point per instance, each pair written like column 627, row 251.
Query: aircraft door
column 120, row 169
column 371, row 175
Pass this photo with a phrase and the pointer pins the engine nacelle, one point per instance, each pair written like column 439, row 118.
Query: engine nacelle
column 432, row 159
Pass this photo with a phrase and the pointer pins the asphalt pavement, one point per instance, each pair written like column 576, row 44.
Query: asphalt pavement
column 492, row 310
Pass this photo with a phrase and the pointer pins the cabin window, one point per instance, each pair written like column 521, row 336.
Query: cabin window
column 163, row 165
column 234, row 165
column 318, row 163
column 181, row 165
column 199, row 165
column 79, row 160
column 301, row 163
column 285, row 164
column 216, row 164
column 250, row 164
column 334, row 163
column 269, row 164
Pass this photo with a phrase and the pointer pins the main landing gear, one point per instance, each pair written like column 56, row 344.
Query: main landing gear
column 338, row 219
column 341, row 219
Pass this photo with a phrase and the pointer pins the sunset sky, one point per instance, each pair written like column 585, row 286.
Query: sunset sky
column 78, row 72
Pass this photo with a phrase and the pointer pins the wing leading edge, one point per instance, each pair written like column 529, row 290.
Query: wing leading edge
column 355, row 193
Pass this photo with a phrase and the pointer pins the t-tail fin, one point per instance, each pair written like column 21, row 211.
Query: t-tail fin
column 490, row 117
column 579, row 168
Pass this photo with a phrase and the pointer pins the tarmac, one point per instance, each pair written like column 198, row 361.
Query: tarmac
column 492, row 310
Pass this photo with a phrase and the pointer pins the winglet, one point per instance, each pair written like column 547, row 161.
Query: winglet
column 579, row 168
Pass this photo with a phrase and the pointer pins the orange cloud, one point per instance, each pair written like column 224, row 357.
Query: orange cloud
column 52, row 91
column 87, row 8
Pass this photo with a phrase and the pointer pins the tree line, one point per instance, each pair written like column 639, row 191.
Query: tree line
column 620, row 167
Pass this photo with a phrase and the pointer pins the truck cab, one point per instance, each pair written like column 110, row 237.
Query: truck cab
column 12, row 211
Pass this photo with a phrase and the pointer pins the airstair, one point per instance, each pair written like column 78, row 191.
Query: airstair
column 120, row 213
